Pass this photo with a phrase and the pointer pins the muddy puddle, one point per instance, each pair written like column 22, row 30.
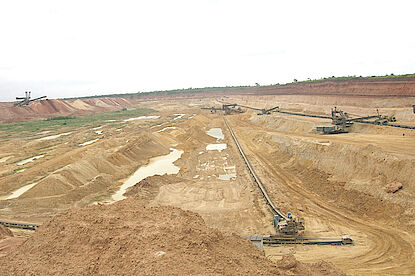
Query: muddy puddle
column 51, row 137
column 218, row 147
column 158, row 166
column 325, row 143
column 162, row 124
column 141, row 118
column 20, row 191
column 4, row 159
column 216, row 133
column 30, row 160
column 88, row 142
column 166, row 128
column 179, row 116
column 228, row 176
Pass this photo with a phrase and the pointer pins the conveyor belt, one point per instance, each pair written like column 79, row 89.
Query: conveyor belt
column 361, row 120
column 391, row 125
column 304, row 115
column 19, row 225
column 274, row 209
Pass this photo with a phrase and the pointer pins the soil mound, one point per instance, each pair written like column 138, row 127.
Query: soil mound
column 290, row 266
column 127, row 238
column 5, row 232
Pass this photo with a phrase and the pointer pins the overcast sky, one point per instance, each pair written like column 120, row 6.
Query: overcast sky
column 79, row 48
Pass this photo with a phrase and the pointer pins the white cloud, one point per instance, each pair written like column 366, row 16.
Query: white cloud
column 65, row 48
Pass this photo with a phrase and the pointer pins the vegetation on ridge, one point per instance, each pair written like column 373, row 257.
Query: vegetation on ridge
column 56, row 123
column 226, row 88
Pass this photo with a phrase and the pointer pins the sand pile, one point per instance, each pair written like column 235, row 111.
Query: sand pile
column 148, row 188
column 5, row 232
column 127, row 238
column 8, row 241
column 290, row 266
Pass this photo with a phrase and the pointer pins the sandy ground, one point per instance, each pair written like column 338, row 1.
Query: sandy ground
column 335, row 183
column 383, row 244
column 129, row 238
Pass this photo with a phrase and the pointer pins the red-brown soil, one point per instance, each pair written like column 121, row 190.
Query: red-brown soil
column 127, row 238
column 51, row 108
column 355, row 87
column 404, row 86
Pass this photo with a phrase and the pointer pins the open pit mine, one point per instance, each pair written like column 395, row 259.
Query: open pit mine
column 299, row 179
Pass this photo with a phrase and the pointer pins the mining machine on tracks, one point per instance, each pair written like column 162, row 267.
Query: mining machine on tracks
column 227, row 108
column 23, row 101
column 342, row 122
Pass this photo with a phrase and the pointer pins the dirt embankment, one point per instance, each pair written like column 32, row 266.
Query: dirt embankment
column 128, row 238
column 52, row 108
column 79, row 177
column 354, row 169
column 337, row 183
column 356, row 87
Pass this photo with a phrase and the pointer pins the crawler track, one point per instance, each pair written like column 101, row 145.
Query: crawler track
column 276, row 241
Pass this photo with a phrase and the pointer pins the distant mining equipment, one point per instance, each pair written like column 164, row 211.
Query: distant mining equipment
column 342, row 122
column 262, row 111
column 24, row 101
column 227, row 108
